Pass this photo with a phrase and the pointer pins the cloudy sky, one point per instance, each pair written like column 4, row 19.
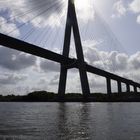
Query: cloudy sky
column 109, row 29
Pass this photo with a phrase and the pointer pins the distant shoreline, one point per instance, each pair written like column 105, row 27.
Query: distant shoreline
column 44, row 96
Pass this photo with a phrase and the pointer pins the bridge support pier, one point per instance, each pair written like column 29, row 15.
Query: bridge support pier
column 62, row 82
column 108, row 80
column 119, row 87
column 84, row 80
column 72, row 23
column 135, row 89
column 128, row 88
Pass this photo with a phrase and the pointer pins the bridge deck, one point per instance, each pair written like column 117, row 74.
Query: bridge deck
column 19, row 45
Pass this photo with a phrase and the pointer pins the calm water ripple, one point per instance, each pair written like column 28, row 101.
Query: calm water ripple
column 69, row 121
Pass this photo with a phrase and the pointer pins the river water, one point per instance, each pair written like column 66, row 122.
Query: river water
column 70, row 121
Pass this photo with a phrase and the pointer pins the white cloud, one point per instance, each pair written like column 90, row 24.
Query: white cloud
column 138, row 19
column 6, row 27
column 119, row 9
column 92, row 43
column 55, row 80
column 15, row 60
column 11, row 78
column 49, row 66
column 38, row 12
column 110, row 61
column 134, row 61
column 42, row 13
column 85, row 10
column 91, row 54
column 135, row 6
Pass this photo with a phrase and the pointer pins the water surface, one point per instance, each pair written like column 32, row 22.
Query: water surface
column 70, row 121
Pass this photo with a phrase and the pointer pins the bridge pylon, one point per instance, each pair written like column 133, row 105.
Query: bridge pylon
column 72, row 23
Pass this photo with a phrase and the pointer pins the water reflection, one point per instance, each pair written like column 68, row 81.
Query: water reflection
column 62, row 120
column 84, row 121
column 73, row 121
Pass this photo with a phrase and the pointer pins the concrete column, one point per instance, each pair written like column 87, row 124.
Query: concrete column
column 119, row 87
column 128, row 88
column 108, row 80
column 135, row 89
column 84, row 81
column 62, row 83
column 72, row 23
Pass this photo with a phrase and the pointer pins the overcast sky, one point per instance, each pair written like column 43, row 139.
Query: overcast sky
column 110, row 31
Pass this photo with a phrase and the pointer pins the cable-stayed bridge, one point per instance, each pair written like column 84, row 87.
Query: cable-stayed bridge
column 65, row 61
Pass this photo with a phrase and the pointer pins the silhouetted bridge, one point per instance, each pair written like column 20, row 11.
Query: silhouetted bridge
column 66, row 62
